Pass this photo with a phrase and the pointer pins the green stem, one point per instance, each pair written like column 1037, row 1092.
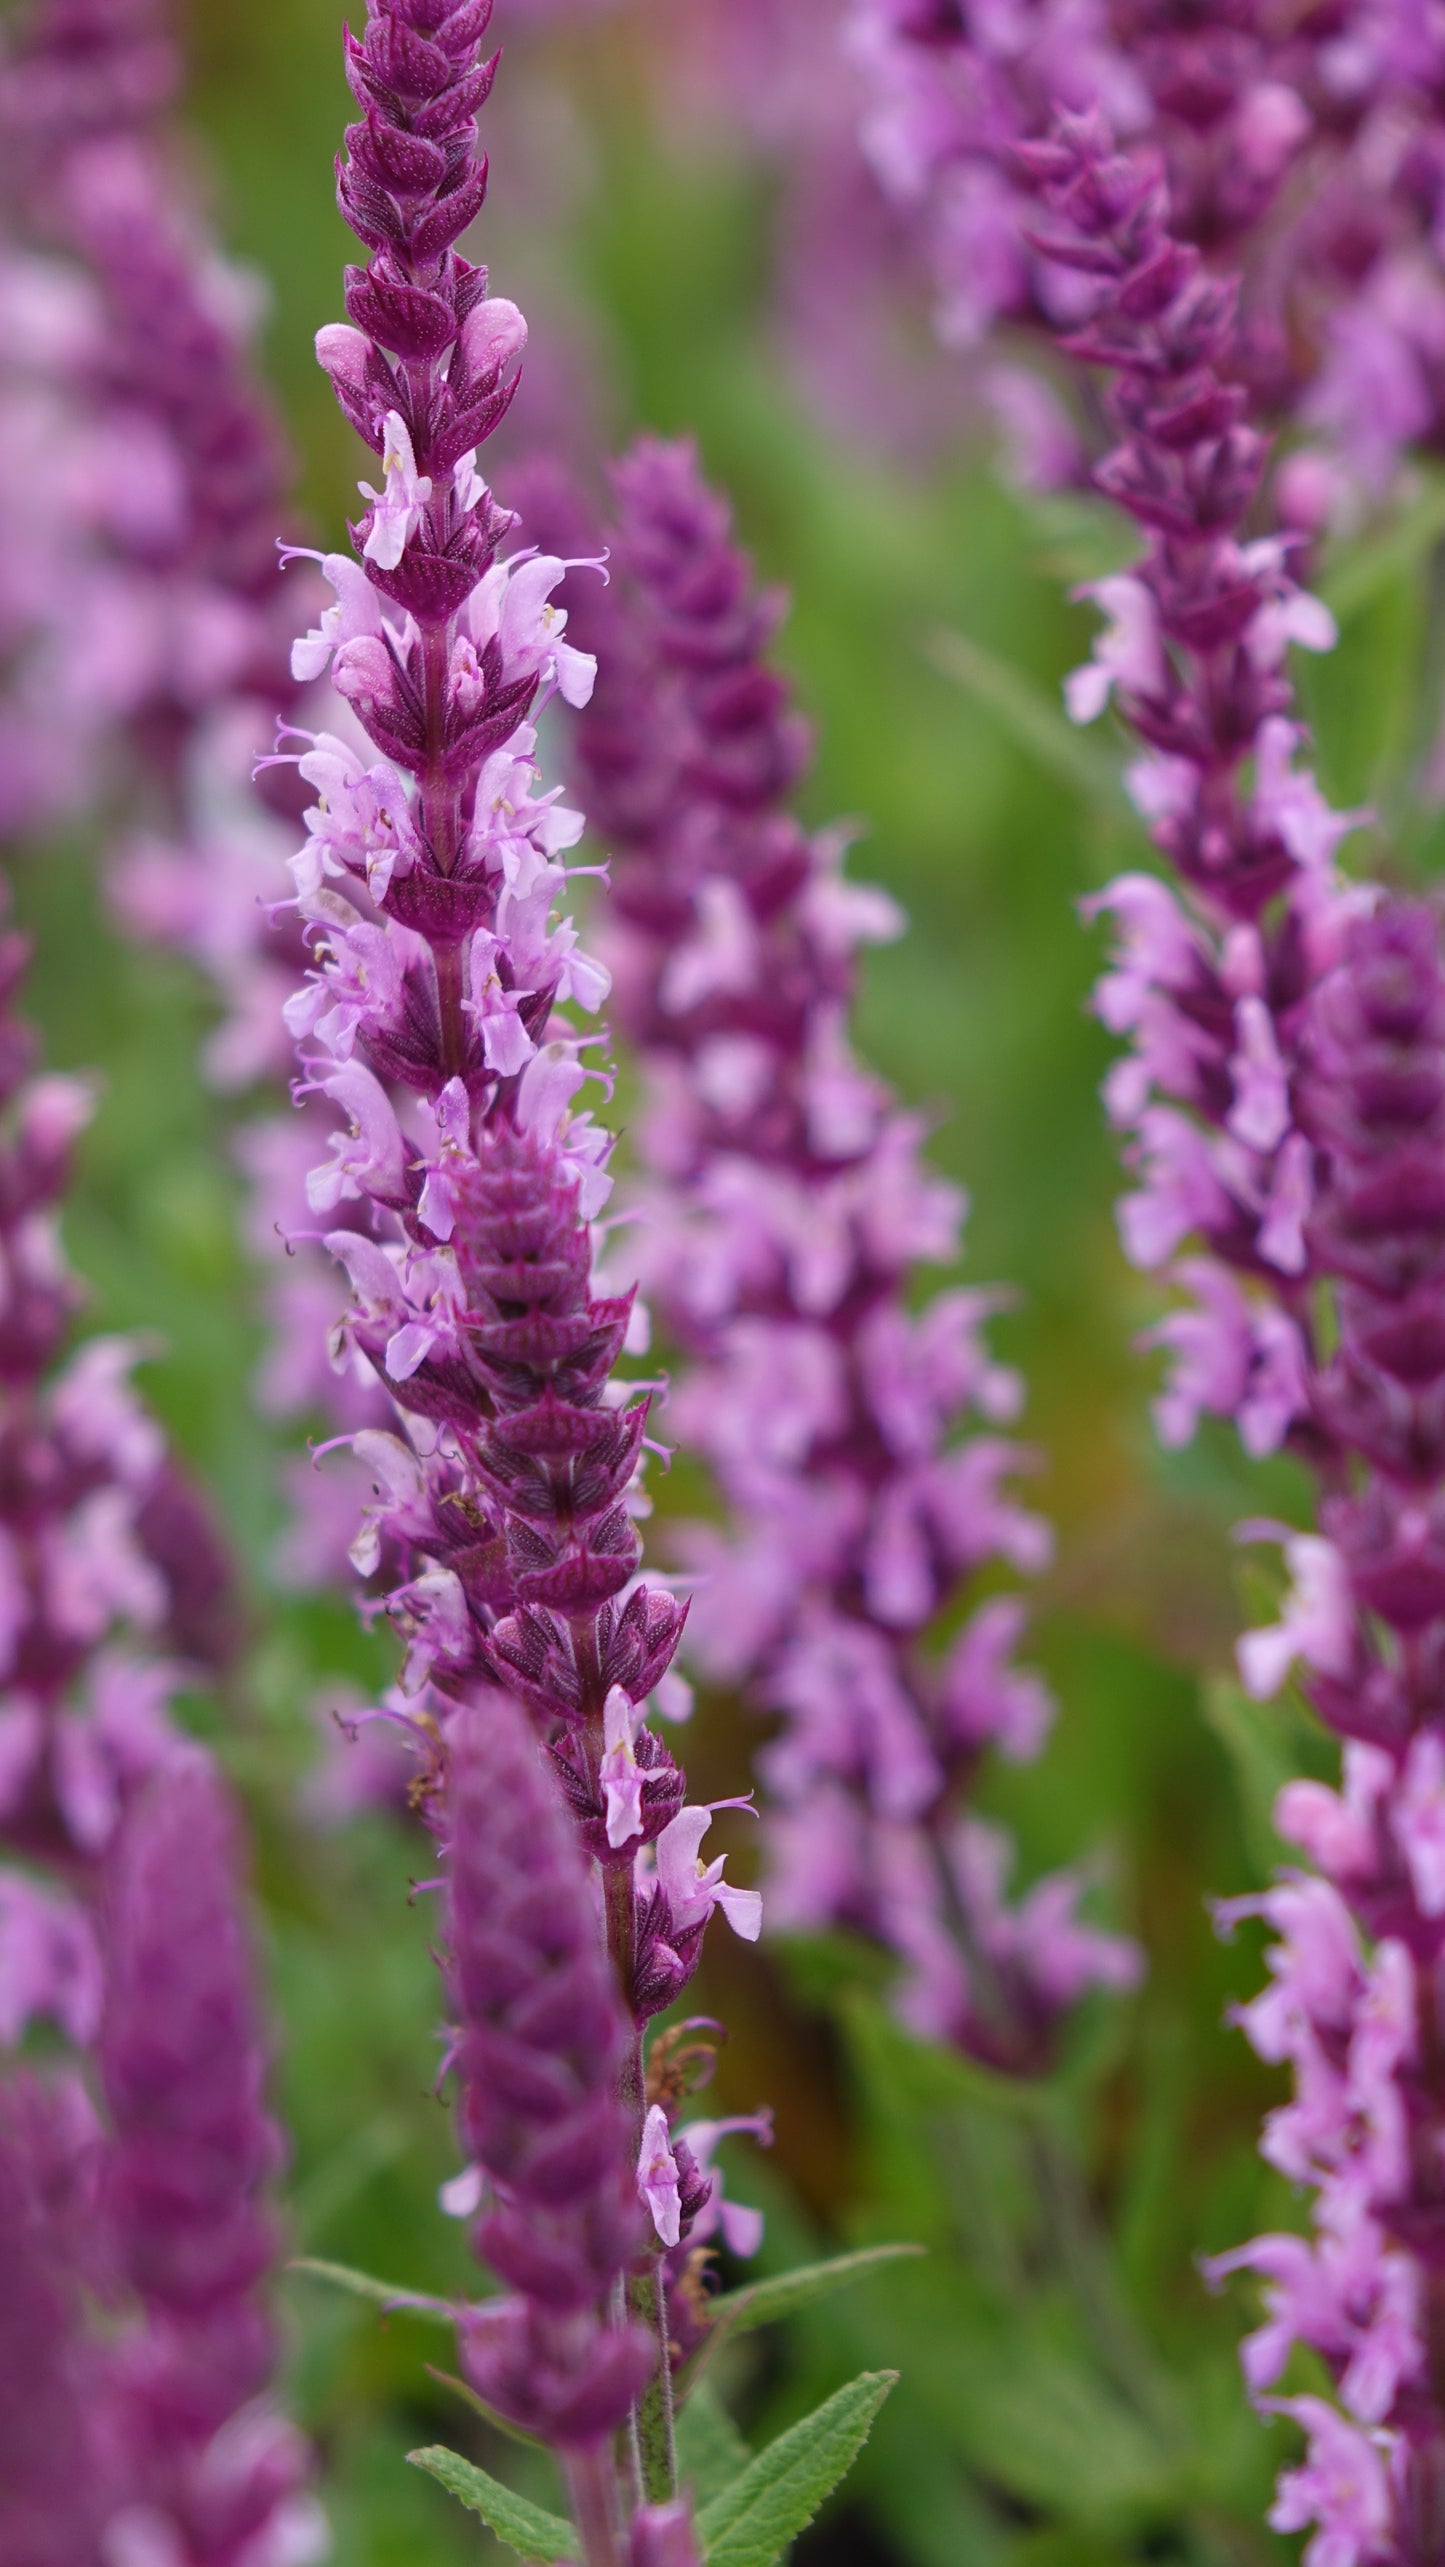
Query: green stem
column 653, row 2415
column 655, row 2435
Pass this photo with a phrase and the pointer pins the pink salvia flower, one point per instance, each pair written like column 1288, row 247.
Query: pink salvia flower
column 1304, row 1142
column 785, row 1202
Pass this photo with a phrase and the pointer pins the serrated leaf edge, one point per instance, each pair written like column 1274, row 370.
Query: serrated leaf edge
column 713, row 2525
column 440, row 2463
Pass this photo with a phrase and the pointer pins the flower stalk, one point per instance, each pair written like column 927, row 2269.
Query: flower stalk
column 782, row 1208
column 501, row 1538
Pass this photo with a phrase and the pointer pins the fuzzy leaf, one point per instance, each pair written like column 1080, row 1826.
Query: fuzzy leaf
column 1034, row 720
column 499, row 2423
column 763, row 2303
column 711, row 2453
column 523, row 2526
column 388, row 2296
column 754, row 2521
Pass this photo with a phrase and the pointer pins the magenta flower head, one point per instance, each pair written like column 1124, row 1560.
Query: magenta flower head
column 1287, row 1093
column 190, row 2154
column 52, row 2493
column 1354, row 1994
column 1194, row 660
column 540, row 2045
column 784, row 1209
column 1300, row 148
column 102, row 1544
column 460, row 1190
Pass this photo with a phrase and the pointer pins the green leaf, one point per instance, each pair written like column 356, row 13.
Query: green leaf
column 1381, row 555
column 763, row 2303
column 389, row 2296
column 499, row 2423
column 523, row 2526
column 754, row 2521
column 1034, row 719
column 1268, row 1745
column 711, row 2452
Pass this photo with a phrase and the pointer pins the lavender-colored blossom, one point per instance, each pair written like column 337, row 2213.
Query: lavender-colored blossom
column 145, row 628
column 458, row 1193
column 541, row 2039
column 52, row 2489
column 1297, row 1031
column 784, row 1208
column 103, row 1550
column 212, row 2473
column 1300, row 147
column 1352, row 1996
column 1212, row 988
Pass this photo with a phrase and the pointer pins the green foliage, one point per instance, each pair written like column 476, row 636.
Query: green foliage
column 783, row 2295
column 523, row 2526
column 1069, row 2394
column 389, row 2296
column 711, row 2453
column 753, row 2522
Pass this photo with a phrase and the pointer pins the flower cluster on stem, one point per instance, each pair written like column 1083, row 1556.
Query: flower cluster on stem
column 104, row 1552
column 120, row 1925
column 784, row 1209
column 1211, row 988
column 1353, row 2001
column 502, row 1537
column 141, row 613
column 1297, row 1031
column 1300, row 147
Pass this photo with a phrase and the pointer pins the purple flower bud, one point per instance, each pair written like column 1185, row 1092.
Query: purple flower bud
column 52, row 2484
column 184, row 2176
column 540, row 2042
column 663, row 2536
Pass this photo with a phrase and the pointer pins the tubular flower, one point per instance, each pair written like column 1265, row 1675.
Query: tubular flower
column 541, row 2042
column 52, row 2486
column 167, row 480
column 102, row 1548
column 1211, row 989
column 128, row 396
column 1296, row 1032
column 1298, row 146
column 468, row 1174
column 784, row 1206
column 1353, row 1998
column 208, row 2466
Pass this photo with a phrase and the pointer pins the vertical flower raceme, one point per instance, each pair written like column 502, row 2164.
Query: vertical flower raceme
column 102, row 1551
column 140, row 600
column 52, row 2490
column 541, row 2043
column 211, row 2473
column 1353, row 2003
column 1212, row 987
column 168, row 474
column 1299, row 146
column 1286, row 1091
column 784, row 1207
column 502, row 1533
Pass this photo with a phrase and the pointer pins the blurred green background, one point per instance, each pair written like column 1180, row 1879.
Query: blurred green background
column 1070, row 2392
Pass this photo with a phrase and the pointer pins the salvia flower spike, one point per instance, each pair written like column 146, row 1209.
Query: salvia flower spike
column 1211, row 989
column 1297, row 1030
column 466, row 1175
column 1300, row 149
column 784, row 1209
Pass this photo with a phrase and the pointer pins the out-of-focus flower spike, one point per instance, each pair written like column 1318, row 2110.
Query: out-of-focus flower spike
column 784, row 1204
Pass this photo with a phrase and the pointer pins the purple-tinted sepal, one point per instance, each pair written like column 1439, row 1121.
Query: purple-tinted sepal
column 663, row 2536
